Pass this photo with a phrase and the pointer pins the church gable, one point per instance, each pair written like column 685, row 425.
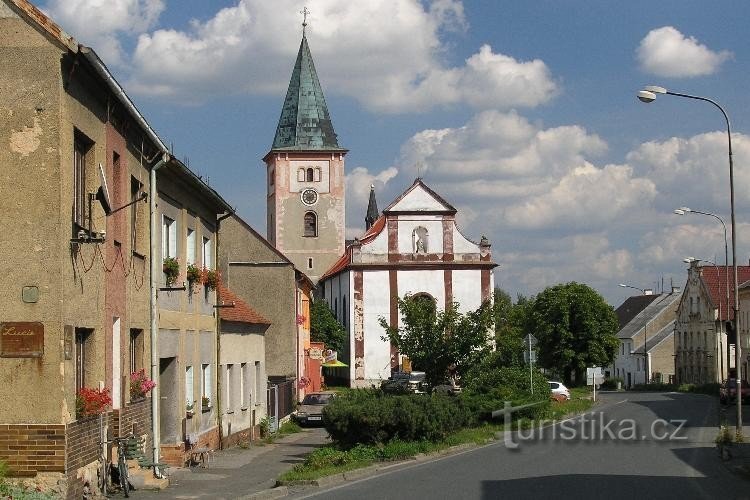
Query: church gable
column 420, row 198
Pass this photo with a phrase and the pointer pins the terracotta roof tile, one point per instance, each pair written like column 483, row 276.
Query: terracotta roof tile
column 714, row 278
column 345, row 259
column 241, row 312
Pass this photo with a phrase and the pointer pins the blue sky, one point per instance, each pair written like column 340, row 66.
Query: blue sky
column 522, row 114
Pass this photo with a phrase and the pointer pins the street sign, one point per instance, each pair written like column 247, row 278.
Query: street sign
column 529, row 356
column 529, row 341
column 594, row 375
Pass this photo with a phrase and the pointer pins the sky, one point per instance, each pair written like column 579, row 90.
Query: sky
column 523, row 115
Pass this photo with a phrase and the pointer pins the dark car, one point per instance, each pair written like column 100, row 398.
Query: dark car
column 402, row 382
column 728, row 391
column 310, row 411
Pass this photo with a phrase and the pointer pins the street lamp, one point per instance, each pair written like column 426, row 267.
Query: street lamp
column 647, row 95
column 645, row 336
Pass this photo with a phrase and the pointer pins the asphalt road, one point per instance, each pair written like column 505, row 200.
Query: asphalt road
column 632, row 445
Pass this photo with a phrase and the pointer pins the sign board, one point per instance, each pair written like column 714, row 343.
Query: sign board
column 316, row 353
column 329, row 356
column 21, row 340
column 529, row 356
column 529, row 341
column 406, row 365
column 594, row 375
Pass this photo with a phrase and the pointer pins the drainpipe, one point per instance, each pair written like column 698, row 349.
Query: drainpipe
column 217, row 311
column 155, row 437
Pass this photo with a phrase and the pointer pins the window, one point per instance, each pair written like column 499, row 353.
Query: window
column 169, row 237
column 245, row 396
column 136, row 349
column 344, row 311
column 309, row 263
column 309, row 177
column 623, row 348
column 301, row 175
column 207, row 255
column 311, row 224
column 206, row 383
column 189, row 394
column 317, row 175
column 230, row 388
column 81, row 147
column 271, row 174
column 190, row 243
column 82, row 341
column 258, row 383
column 135, row 190
column 336, row 308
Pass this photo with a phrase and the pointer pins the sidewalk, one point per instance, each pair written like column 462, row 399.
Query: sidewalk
column 237, row 472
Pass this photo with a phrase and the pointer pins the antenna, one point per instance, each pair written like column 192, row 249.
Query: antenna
column 102, row 193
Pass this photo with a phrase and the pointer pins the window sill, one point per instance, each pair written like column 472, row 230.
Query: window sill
column 206, row 409
column 229, row 412
column 244, row 408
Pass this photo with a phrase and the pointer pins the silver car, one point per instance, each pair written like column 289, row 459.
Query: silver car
column 310, row 411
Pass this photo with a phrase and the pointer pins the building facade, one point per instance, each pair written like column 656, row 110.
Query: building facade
column 414, row 248
column 704, row 353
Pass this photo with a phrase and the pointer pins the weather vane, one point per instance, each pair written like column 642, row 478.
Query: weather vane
column 304, row 13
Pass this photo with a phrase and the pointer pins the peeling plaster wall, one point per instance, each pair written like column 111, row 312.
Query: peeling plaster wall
column 376, row 304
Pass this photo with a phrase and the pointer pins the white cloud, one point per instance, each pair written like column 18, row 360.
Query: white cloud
column 354, row 45
column 667, row 52
column 358, row 182
column 99, row 23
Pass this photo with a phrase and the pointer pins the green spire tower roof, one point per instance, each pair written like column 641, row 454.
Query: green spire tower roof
column 305, row 124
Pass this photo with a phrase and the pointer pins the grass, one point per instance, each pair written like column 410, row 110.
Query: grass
column 18, row 491
column 287, row 428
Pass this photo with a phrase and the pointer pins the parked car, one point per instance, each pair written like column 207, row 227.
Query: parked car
column 728, row 391
column 559, row 391
column 310, row 411
column 405, row 382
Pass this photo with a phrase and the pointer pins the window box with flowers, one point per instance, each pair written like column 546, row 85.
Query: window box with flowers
column 210, row 278
column 171, row 268
column 206, row 403
column 193, row 276
column 140, row 385
column 92, row 402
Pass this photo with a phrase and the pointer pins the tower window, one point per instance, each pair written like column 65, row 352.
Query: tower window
column 309, row 175
column 311, row 224
column 309, row 263
column 317, row 175
column 301, row 175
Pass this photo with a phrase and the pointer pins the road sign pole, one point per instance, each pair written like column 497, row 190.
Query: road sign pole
column 531, row 368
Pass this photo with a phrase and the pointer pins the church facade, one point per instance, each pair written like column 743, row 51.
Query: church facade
column 413, row 248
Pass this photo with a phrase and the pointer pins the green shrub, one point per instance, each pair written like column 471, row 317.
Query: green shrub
column 368, row 416
column 610, row 384
column 655, row 387
column 710, row 389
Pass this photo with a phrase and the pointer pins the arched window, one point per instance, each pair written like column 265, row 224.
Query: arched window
column 336, row 308
column 426, row 301
column 419, row 240
column 344, row 311
column 301, row 175
column 309, row 175
column 311, row 224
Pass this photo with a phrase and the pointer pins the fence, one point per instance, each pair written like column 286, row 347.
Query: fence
column 280, row 396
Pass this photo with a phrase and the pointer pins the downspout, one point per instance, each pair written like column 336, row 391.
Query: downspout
column 155, row 437
column 217, row 311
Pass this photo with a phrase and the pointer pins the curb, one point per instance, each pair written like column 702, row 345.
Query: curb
column 277, row 492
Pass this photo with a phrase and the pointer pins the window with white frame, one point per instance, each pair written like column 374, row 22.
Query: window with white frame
column 244, row 386
column 207, row 255
column 190, row 244
column 230, row 388
column 258, row 383
column 189, row 395
column 206, row 396
column 168, row 237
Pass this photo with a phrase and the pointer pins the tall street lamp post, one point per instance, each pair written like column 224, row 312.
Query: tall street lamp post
column 645, row 336
column 647, row 95
column 686, row 210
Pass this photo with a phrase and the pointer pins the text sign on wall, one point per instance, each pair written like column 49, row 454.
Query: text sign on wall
column 21, row 340
column 316, row 353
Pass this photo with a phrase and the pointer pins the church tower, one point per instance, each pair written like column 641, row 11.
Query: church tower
column 305, row 176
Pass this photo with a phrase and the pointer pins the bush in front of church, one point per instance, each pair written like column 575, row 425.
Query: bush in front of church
column 368, row 416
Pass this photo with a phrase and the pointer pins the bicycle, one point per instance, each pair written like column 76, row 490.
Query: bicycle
column 107, row 471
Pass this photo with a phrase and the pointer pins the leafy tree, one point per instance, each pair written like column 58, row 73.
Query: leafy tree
column 439, row 341
column 324, row 327
column 510, row 327
column 575, row 328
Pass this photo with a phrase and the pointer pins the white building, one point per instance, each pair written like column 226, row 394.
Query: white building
column 414, row 248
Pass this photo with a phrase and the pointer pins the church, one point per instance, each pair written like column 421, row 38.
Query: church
column 413, row 248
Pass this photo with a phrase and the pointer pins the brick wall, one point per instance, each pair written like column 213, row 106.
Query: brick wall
column 82, row 448
column 28, row 449
column 134, row 417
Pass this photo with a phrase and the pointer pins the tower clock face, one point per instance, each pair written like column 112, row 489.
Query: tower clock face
column 309, row 196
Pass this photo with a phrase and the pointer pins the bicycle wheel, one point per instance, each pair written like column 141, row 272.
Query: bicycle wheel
column 123, row 470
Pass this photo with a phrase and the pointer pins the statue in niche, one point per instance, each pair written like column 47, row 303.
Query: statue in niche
column 419, row 238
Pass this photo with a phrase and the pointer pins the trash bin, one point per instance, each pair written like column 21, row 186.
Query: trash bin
column 619, row 386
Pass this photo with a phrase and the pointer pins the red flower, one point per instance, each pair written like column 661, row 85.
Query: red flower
column 92, row 401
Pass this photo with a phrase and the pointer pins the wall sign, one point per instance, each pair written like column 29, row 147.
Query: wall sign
column 316, row 353
column 21, row 340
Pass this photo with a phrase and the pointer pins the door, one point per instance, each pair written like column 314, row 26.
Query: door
column 170, row 423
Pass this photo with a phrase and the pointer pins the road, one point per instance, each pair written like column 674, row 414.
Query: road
column 632, row 445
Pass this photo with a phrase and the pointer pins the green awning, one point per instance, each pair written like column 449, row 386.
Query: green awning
column 334, row 364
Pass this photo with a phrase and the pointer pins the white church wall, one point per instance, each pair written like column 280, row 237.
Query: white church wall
column 461, row 244
column 379, row 245
column 406, row 226
column 418, row 199
column 423, row 281
column 376, row 297
column 467, row 289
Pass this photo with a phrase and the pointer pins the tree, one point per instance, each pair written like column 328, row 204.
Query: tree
column 324, row 327
column 575, row 329
column 510, row 327
column 439, row 341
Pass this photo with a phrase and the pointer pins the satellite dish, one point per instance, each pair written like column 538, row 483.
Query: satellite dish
column 103, row 193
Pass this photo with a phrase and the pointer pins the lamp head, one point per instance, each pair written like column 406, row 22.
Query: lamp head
column 679, row 211
column 688, row 260
column 646, row 96
column 623, row 285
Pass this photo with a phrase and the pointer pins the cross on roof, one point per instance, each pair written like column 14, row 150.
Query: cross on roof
column 304, row 13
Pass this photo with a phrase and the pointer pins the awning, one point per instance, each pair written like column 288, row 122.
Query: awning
column 333, row 364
